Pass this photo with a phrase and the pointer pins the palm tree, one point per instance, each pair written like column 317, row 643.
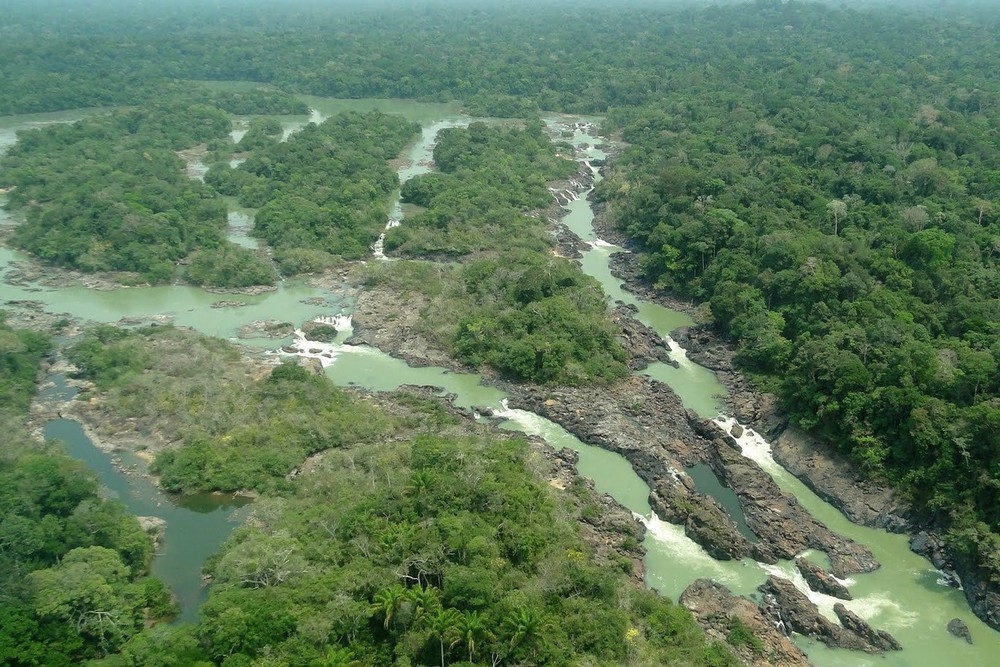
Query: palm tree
column 339, row 657
column 425, row 602
column 471, row 628
column 524, row 626
column 419, row 488
column 387, row 601
column 443, row 625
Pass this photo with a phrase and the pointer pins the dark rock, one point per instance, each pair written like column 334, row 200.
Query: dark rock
column 644, row 421
column 878, row 639
column 821, row 581
column 777, row 518
column 643, row 343
column 957, row 627
column 933, row 548
column 717, row 610
column 837, row 481
column 981, row 592
column 736, row 431
column 568, row 455
column 794, row 609
column 704, row 521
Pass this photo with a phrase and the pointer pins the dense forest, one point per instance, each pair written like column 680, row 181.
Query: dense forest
column 324, row 193
column 825, row 181
column 109, row 193
column 390, row 531
column 73, row 566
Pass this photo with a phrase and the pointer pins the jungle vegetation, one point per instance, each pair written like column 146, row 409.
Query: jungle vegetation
column 390, row 531
column 73, row 566
column 824, row 179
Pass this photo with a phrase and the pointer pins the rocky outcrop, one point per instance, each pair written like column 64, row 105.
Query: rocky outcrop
column 643, row 343
column 880, row 640
column 642, row 420
column 572, row 188
column 800, row 615
column 611, row 530
column 721, row 613
column 931, row 547
column 839, row 483
column 703, row 519
column 776, row 517
column 958, row 627
column 747, row 403
column 390, row 321
column 820, row 580
column 981, row 592
column 155, row 527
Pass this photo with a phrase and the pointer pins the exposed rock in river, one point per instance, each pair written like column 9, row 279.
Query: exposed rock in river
column 958, row 627
column 839, row 483
column 643, row 420
column 820, row 580
column 933, row 548
column 801, row 615
column 775, row 516
column 703, row 519
column 391, row 322
column 643, row 343
column 721, row 613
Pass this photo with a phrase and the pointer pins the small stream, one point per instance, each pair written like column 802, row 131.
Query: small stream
column 904, row 596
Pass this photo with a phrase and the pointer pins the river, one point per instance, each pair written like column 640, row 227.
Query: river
column 904, row 596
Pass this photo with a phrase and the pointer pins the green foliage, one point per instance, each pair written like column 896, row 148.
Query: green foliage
column 490, row 177
column 237, row 433
column 108, row 356
column 848, row 245
column 421, row 538
column 20, row 352
column 71, row 564
column 740, row 635
column 538, row 319
column 262, row 133
column 324, row 192
column 230, row 265
column 109, row 193
column 434, row 549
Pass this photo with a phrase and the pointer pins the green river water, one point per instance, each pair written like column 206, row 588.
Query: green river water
column 904, row 596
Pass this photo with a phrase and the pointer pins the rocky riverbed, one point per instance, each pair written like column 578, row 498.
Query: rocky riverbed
column 644, row 421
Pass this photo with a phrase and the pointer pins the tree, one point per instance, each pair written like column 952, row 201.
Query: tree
column 426, row 601
column 387, row 602
column 524, row 626
column 837, row 209
column 472, row 630
column 443, row 626
column 90, row 591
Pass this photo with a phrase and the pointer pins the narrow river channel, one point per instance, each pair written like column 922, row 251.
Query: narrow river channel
column 904, row 596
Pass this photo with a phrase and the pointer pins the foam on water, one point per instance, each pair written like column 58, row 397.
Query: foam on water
column 753, row 445
column 338, row 322
column 670, row 538
column 302, row 347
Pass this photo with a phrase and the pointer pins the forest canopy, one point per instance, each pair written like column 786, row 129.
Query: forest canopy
column 824, row 180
